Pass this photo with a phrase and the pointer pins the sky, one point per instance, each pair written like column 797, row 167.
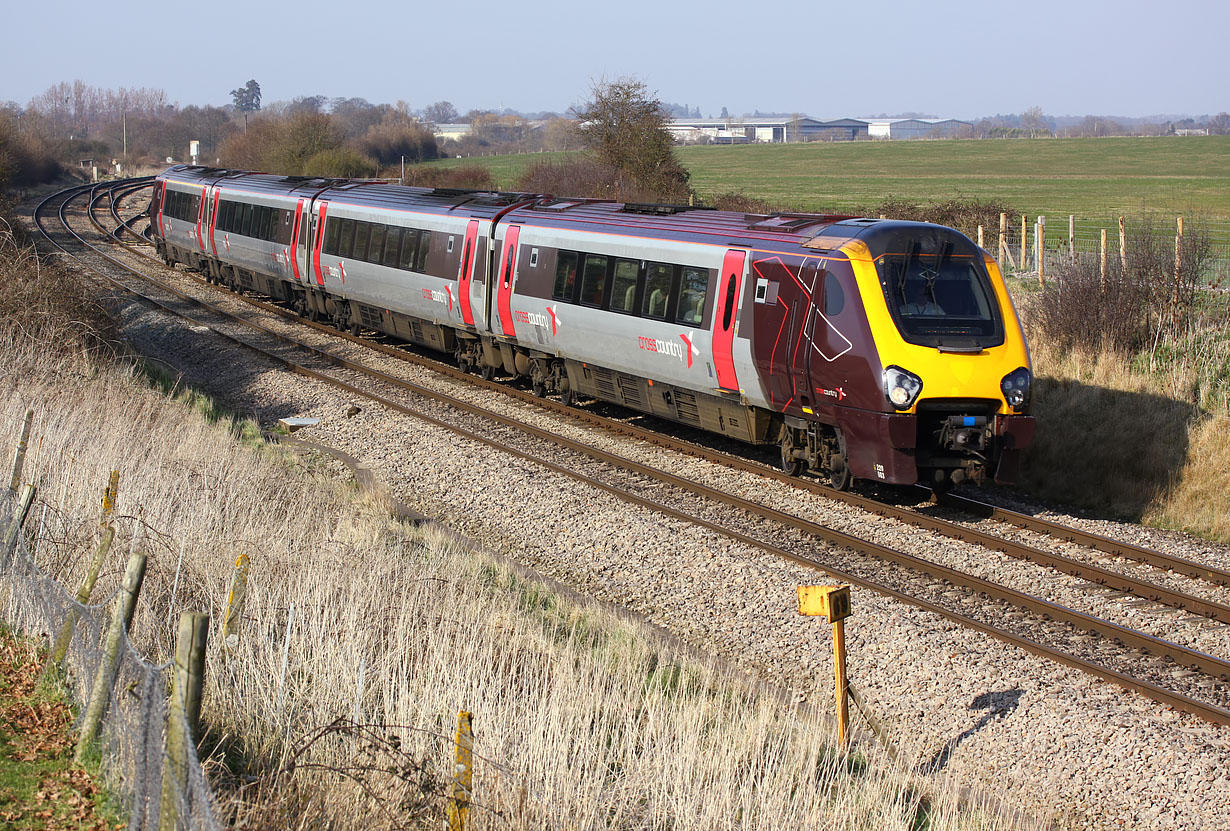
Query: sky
column 825, row 59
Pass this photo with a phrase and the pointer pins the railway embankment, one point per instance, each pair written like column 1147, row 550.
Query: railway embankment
column 362, row 638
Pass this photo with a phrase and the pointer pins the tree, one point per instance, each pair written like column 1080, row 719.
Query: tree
column 1219, row 125
column 625, row 126
column 1034, row 120
column 441, row 112
column 247, row 99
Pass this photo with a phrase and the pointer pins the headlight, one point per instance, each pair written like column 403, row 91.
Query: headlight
column 1016, row 386
column 901, row 387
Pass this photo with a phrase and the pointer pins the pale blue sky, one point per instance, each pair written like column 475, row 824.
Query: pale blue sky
column 829, row 60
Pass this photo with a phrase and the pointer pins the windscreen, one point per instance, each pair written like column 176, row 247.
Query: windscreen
column 937, row 288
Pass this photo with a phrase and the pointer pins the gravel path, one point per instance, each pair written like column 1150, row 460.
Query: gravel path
column 1062, row 745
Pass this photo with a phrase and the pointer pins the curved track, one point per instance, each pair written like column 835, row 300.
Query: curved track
column 1032, row 623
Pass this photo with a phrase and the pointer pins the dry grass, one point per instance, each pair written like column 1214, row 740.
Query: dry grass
column 1141, row 436
column 581, row 720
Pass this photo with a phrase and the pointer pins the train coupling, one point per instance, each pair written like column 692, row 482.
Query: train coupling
column 965, row 434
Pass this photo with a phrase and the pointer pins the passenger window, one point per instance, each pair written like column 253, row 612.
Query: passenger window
column 375, row 251
column 392, row 247
column 834, row 296
column 424, row 247
column 594, row 280
column 260, row 222
column 729, row 311
column 362, row 235
column 657, row 290
column 345, row 238
column 409, row 242
column 623, row 293
column 284, row 226
column 331, row 234
column 245, row 227
column 565, row 275
column 693, row 289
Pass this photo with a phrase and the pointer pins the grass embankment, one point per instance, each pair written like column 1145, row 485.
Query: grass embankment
column 1143, row 436
column 581, row 719
column 1091, row 178
column 40, row 787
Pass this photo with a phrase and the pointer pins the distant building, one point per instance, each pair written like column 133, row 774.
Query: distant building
column 451, row 131
column 915, row 128
column 757, row 130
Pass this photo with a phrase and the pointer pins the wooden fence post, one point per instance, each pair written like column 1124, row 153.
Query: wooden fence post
column 1024, row 237
column 981, row 244
column 1122, row 247
column 1072, row 237
column 1040, row 242
column 184, row 713
column 234, row 602
column 463, row 774
column 121, row 620
column 19, row 456
column 60, row 648
column 1003, row 240
column 110, row 495
column 13, row 533
column 1102, row 259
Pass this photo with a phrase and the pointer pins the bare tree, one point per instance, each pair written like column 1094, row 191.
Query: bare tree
column 625, row 126
column 441, row 112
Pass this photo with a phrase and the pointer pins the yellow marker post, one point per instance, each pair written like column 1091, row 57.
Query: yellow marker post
column 833, row 602
column 463, row 774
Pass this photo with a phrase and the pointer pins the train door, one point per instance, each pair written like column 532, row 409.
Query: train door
column 468, row 255
column 201, row 219
column 725, row 312
column 316, row 238
column 826, row 341
column 213, row 220
column 298, row 243
column 505, row 278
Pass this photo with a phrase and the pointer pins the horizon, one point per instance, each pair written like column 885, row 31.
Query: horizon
column 1073, row 60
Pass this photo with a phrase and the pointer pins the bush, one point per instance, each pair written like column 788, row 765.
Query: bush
column 25, row 162
column 963, row 214
column 391, row 140
column 435, row 176
column 736, row 201
column 341, row 163
column 1130, row 308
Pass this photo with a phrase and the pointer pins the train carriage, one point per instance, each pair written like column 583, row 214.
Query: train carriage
column 863, row 349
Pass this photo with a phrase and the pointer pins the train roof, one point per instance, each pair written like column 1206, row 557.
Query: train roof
column 818, row 232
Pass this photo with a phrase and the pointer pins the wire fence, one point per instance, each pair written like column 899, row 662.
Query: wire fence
column 132, row 740
column 1023, row 240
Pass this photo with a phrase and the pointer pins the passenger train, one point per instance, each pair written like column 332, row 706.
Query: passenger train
column 862, row 348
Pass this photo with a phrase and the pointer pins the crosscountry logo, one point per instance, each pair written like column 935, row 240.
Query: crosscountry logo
column 555, row 321
column 692, row 350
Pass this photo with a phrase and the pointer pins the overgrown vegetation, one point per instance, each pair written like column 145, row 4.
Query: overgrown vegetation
column 963, row 213
column 1133, row 394
column 24, row 160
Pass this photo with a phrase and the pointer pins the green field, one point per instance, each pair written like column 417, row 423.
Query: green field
column 1087, row 177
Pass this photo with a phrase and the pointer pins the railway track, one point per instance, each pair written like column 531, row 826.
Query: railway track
column 1174, row 674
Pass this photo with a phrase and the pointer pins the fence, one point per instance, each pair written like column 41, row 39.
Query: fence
column 157, row 779
column 1021, row 241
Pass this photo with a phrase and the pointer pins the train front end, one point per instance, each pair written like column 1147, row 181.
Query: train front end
column 951, row 351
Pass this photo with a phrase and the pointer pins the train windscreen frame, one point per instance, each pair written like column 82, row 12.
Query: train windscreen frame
column 937, row 287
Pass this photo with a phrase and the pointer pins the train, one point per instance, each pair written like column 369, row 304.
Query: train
column 864, row 349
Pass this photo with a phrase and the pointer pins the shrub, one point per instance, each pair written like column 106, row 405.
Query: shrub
column 1129, row 308
column 466, row 176
column 391, row 140
column 338, row 162
column 963, row 214
column 25, row 162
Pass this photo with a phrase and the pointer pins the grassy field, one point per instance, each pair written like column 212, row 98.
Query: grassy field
column 1086, row 177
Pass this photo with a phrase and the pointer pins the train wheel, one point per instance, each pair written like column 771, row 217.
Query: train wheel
column 487, row 372
column 355, row 329
column 540, row 390
column 568, row 398
column 790, row 465
column 840, row 480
